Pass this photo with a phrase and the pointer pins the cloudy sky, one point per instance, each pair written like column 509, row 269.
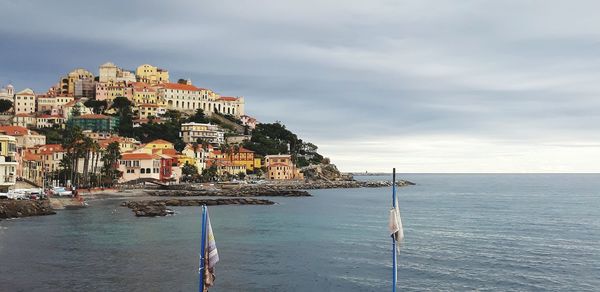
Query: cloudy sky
column 424, row 86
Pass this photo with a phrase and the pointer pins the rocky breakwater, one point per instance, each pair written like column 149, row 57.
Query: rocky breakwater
column 242, row 191
column 24, row 208
column 312, row 185
column 153, row 208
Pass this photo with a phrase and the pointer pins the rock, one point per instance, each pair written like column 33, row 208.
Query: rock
column 159, row 207
column 24, row 208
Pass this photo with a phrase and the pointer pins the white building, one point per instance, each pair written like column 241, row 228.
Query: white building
column 24, row 102
column 189, row 98
column 191, row 132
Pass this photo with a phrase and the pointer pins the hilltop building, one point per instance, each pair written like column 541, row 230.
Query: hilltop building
column 110, row 73
column 7, row 92
column 152, row 75
column 24, row 102
column 189, row 98
column 66, row 84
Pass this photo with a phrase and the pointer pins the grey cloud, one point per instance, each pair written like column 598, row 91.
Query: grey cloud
column 520, row 71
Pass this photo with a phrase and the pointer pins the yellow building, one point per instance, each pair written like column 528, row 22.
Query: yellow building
column 67, row 83
column 281, row 167
column 159, row 144
column 184, row 159
column 151, row 75
column 146, row 110
column 243, row 157
column 144, row 94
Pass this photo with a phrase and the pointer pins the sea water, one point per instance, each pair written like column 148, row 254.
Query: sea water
column 462, row 233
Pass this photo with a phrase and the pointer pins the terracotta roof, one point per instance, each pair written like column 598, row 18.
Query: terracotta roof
column 148, row 105
column 50, row 148
column 168, row 151
column 244, row 150
column 136, row 156
column 51, row 116
column 24, row 115
column 228, row 98
column 31, row 157
column 159, row 141
column 178, row 86
column 14, row 130
column 92, row 116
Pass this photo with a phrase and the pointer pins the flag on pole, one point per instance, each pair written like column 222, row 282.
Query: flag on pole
column 395, row 225
column 211, row 245
column 211, row 255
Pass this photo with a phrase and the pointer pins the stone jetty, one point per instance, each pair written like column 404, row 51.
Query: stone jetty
column 153, row 208
column 272, row 189
column 24, row 208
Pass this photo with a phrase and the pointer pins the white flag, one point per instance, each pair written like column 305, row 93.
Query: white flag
column 395, row 225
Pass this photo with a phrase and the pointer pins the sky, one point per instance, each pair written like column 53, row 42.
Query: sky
column 423, row 86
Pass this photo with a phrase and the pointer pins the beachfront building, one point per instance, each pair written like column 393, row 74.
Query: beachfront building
column 24, row 102
column 242, row 157
column 67, row 83
column 51, row 156
column 95, row 122
column 191, row 132
column 145, row 166
column 8, row 162
column 281, row 167
column 32, row 168
column 25, row 138
column 199, row 154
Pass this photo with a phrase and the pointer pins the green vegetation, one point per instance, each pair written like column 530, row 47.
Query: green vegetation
column 5, row 105
column 268, row 139
column 54, row 135
column 97, row 106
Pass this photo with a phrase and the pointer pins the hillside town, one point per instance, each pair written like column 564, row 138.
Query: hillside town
column 130, row 127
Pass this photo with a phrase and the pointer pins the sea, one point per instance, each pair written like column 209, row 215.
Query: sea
column 463, row 232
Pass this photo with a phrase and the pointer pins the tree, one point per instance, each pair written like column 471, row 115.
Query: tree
column 120, row 103
column 182, row 81
column 5, row 105
column 76, row 111
column 110, row 162
column 209, row 174
column 97, row 106
column 198, row 117
column 189, row 170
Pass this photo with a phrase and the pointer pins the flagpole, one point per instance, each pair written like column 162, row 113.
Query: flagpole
column 394, row 264
column 202, row 250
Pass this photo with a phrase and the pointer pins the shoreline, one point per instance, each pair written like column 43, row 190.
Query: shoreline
column 242, row 194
